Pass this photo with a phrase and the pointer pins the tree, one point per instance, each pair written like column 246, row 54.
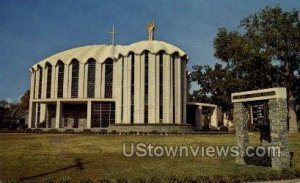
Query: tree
column 265, row 53
column 271, row 42
column 24, row 101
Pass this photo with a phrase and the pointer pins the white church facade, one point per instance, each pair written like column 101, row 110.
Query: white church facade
column 143, row 84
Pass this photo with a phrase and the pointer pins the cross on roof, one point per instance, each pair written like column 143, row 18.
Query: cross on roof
column 113, row 34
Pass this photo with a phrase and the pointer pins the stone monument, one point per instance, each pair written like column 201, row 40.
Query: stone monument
column 267, row 111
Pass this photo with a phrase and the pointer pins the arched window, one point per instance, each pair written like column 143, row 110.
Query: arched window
column 40, row 81
column 60, row 79
column 91, row 78
column 161, row 79
column 108, row 78
column 132, row 88
column 146, row 55
column 49, row 80
column 75, row 78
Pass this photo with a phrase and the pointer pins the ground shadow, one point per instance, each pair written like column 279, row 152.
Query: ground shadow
column 78, row 163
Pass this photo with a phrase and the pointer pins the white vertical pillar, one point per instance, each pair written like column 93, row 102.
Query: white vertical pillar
column 214, row 118
column 137, row 88
column 70, row 80
column 89, row 114
column 56, row 81
column 66, row 81
column 44, row 82
column 126, row 90
column 166, row 88
column 117, row 88
column 184, row 90
column 142, row 89
column 53, row 81
column 152, row 108
column 43, row 112
column 97, row 80
column 81, row 80
column 157, row 120
column 85, row 80
column 198, row 118
column 32, row 88
column 178, row 93
column 171, row 90
column 102, row 91
column 58, row 114
column 36, row 116
column 37, row 78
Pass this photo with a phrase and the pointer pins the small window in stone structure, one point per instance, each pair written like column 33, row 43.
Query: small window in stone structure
column 49, row 80
column 60, row 82
column 40, row 82
column 91, row 78
column 108, row 78
column 75, row 78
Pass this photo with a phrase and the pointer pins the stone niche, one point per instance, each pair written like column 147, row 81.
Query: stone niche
column 265, row 110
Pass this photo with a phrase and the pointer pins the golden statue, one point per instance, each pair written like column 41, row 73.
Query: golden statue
column 151, row 28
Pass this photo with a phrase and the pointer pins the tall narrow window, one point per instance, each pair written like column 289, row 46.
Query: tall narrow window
column 75, row 78
column 174, row 84
column 40, row 82
column 49, row 80
column 122, row 90
column 108, row 78
column 60, row 82
column 146, row 85
column 161, row 79
column 132, row 89
column 91, row 78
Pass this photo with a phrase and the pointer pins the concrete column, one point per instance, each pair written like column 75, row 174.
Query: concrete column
column 184, row 90
column 89, row 115
column 36, row 116
column 81, row 80
column 214, row 118
column 137, row 88
column 44, row 82
column 166, row 88
column 241, row 118
column 37, row 74
column 278, row 128
column 102, row 92
column 53, row 81
column 157, row 120
column 85, row 80
column 56, row 81
column 178, row 95
column 66, row 81
column 142, row 88
column 152, row 93
column 58, row 114
column 171, row 91
column 32, row 88
column 98, row 80
column 126, row 90
column 198, row 118
column 117, row 88
column 43, row 113
column 69, row 80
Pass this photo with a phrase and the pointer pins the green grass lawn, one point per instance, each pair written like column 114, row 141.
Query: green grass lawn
column 40, row 156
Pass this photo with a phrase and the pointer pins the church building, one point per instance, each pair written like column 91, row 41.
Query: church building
column 141, row 86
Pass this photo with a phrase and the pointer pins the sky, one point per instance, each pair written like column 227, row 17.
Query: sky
column 31, row 30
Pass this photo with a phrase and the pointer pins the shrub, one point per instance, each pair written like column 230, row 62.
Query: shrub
column 37, row 130
column 15, row 181
column 28, row 130
column 64, row 180
column 87, row 131
column 122, row 180
column 224, row 128
column 204, row 179
column 155, row 179
column 103, row 131
column 69, row 131
column 104, row 181
column 139, row 180
column 173, row 179
column 48, row 180
column 86, row 180
column 114, row 132
column 132, row 132
column 53, row 131
column 154, row 132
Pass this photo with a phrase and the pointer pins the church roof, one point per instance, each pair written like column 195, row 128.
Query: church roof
column 101, row 52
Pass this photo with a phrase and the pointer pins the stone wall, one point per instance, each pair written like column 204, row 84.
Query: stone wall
column 75, row 113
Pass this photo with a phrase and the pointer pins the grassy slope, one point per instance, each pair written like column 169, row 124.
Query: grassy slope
column 26, row 155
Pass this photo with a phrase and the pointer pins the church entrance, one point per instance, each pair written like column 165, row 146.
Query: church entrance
column 103, row 114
